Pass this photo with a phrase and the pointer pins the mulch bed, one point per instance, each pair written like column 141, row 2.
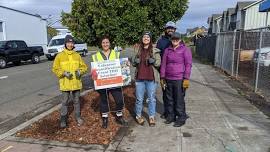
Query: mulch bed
column 90, row 132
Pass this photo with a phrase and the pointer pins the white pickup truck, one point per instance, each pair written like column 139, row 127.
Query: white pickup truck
column 264, row 56
column 56, row 46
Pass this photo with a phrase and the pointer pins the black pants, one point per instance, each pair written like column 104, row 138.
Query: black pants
column 117, row 95
column 165, row 103
column 175, row 100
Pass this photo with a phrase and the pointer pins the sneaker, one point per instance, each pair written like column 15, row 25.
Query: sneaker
column 104, row 122
column 179, row 123
column 79, row 121
column 169, row 121
column 63, row 122
column 139, row 120
column 163, row 116
column 152, row 122
column 120, row 120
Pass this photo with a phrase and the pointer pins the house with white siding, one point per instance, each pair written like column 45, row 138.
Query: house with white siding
column 231, row 19
column 240, row 14
column 253, row 18
column 223, row 22
column 216, row 19
column 218, row 24
column 19, row 25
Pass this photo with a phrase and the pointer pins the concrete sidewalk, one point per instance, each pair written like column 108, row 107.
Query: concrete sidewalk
column 220, row 121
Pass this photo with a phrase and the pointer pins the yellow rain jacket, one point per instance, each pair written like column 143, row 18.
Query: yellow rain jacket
column 69, row 61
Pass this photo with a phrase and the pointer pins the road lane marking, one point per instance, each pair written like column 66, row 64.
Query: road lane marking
column 6, row 149
column 3, row 77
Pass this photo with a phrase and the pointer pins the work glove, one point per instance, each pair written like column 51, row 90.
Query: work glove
column 151, row 61
column 68, row 75
column 185, row 84
column 78, row 74
column 137, row 61
column 163, row 84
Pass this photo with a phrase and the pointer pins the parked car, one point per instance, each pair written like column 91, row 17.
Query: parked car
column 264, row 56
column 16, row 51
column 56, row 45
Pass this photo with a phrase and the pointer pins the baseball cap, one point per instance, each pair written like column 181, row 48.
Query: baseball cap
column 170, row 24
column 148, row 33
column 176, row 35
column 69, row 38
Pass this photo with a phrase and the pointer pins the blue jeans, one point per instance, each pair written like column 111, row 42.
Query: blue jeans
column 150, row 87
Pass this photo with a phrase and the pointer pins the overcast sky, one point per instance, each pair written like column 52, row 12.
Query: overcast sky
column 197, row 14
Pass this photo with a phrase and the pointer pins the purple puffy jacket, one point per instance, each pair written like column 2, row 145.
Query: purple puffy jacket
column 176, row 64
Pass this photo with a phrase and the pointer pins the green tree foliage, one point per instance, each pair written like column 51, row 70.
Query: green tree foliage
column 51, row 31
column 123, row 20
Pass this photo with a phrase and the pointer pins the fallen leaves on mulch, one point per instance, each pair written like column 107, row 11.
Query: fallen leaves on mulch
column 90, row 132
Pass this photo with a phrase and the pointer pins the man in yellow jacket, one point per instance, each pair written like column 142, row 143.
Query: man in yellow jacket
column 68, row 66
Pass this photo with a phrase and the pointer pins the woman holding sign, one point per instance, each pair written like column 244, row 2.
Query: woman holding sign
column 147, row 62
column 107, row 54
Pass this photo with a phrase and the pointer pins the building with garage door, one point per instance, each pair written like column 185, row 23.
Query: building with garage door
column 19, row 25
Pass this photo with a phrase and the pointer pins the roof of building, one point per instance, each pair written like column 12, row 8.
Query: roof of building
column 209, row 20
column 192, row 30
column 224, row 13
column 35, row 15
column 216, row 16
column 231, row 11
column 59, row 27
column 241, row 5
column 252, row 4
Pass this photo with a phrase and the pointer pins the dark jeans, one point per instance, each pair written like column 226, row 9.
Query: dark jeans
column 117, row 95
column 66, row 95
column 175, row 100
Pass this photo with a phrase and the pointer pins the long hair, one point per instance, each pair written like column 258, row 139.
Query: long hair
column 149, row 50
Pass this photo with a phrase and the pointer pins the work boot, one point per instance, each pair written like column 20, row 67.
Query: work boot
column 105, row 122
column 120, row 120
column 179, row 123
column 169, row 120
column 63, row 122
column 163, row 116
column 139, row 120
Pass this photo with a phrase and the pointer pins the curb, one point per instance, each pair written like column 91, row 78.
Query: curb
column 36, row 118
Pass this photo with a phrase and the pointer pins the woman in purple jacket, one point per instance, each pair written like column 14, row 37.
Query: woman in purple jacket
column 175, row 73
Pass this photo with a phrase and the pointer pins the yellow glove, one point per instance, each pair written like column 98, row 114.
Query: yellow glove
column 186, row 84
column 163, row 84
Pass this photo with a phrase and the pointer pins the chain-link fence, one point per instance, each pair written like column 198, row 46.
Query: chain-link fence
column 246, row 55
column 206, row 47
column 224, row 51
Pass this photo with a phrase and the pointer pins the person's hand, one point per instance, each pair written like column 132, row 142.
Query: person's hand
column 78, row 74
column 137, row 61
column 163, row 84
column 68, row 75
column 185, row 84
column 151, row 60
column 94, row 74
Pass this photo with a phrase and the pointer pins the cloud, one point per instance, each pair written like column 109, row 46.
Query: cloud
column 200, row 10
column 196, row 15
column 45, row 8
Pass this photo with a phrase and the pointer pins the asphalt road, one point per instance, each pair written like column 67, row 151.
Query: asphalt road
column 30, row 89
